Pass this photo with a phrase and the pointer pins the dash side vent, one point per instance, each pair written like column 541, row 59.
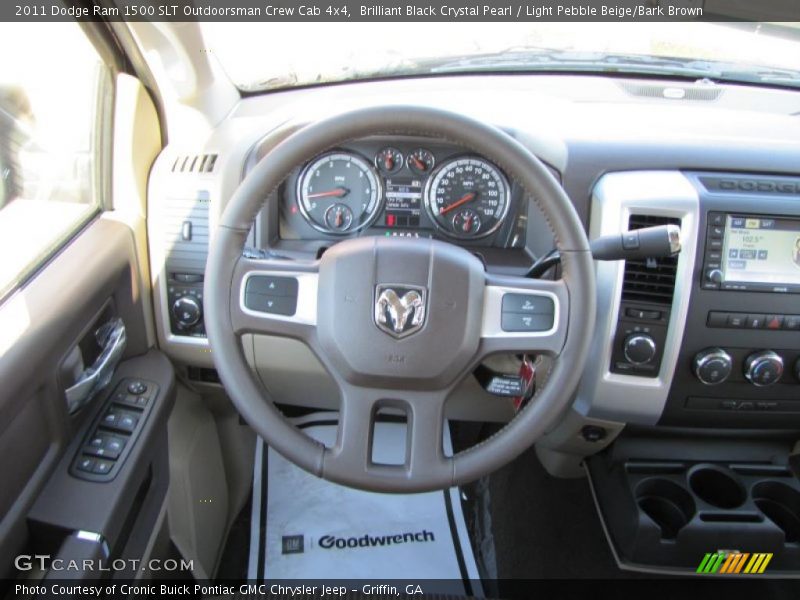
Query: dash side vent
column 194, row 163
column 650, row 280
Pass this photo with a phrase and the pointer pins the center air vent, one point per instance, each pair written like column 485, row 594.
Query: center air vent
column 650, row 279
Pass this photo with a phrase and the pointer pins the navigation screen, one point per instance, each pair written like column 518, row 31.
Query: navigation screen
column 761, row 250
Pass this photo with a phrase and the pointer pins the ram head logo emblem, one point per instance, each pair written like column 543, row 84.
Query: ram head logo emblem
column 399, row 310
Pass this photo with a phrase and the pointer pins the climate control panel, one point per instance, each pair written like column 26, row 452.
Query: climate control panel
column 761, row 368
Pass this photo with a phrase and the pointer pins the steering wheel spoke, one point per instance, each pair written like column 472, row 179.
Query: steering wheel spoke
column 274, row 297
column 524, row 315
column 352, row 460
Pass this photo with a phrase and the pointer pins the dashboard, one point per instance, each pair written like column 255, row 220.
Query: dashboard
column 724, row 170
column 403, row 187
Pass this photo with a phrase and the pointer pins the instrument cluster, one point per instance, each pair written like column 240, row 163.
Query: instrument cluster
column 397, row 187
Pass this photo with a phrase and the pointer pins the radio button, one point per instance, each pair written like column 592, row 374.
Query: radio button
column 755, row 321
column 717, row 319
column 713, row 256
column 714, row 244
column 737, row 320
column 791, row 322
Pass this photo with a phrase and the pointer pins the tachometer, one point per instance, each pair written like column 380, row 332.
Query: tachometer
column 468, row 197
column 339, row 193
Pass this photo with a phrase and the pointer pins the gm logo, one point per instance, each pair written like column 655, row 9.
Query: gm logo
column 292, row 544
column 734, row 563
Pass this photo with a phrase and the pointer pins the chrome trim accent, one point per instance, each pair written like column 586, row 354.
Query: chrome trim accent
column 97, row 538
column 628, row 398
column 753, row 361
column 674, row 235
column 306, row 312
column 708, row 355
column 491, row 324
column 647, row 339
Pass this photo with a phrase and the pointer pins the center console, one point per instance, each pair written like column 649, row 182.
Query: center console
column 739, row 363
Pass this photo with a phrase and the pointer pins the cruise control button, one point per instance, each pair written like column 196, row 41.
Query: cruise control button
column 527, row 303
column 272, row 286
column 277, row 305
column 526, row 322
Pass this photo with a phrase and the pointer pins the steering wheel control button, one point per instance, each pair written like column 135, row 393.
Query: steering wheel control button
column 272, row 286
column 527, row 312
column 271, row 294
column 763, row 368
column 713, row 366
column 276, row 305
column 527, row 303
column 639, row 349
column 137, row 388
column 526, row 322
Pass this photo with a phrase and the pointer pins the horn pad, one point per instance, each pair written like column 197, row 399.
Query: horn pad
column 399, row 311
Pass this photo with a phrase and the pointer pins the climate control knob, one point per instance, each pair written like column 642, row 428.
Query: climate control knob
column 639, row 349
column 713, row 366
column 187, row 311
column 763, row 368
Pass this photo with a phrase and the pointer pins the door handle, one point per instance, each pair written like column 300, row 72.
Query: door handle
column 112, row 339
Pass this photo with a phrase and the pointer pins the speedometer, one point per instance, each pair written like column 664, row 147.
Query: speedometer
column 339, row 193
column 468, row 197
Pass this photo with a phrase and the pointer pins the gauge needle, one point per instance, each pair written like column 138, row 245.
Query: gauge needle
column 419, row 164
column 339, row 192
column 463, row 200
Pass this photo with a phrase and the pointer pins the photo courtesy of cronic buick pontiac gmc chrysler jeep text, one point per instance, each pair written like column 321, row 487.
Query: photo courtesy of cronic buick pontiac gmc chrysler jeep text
column 329, row 307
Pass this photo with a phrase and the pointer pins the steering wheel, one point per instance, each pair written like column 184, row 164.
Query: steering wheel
column 452, row 307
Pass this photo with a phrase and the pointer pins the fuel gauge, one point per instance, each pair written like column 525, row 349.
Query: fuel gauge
column 421, row 161
column 466, row 222
column 389, row 160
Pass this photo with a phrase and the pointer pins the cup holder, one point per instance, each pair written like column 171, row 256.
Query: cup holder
column 781, row 504
column 669, row 505
column 717, row 486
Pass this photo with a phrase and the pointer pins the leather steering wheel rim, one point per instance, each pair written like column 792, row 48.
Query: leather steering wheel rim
column 575, row 293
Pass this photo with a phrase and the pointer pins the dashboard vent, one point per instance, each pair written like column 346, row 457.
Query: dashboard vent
column 194, row 163
column 671, row 92
column 185, row 233
column 651, row 279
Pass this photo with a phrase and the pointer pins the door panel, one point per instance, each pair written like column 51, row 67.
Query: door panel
column 95, row 274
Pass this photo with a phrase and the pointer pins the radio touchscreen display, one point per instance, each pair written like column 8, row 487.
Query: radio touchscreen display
column 761, row 250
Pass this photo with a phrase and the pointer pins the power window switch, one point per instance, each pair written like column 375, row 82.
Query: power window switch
column 110, row 419
column 127, row 423
column 103, row 467
column 85, row 464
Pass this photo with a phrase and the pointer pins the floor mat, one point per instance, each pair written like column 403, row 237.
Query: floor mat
column 303, row 527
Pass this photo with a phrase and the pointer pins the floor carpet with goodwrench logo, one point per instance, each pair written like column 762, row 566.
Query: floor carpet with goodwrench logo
column 304, row 528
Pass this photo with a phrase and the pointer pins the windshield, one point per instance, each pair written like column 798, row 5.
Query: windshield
column 261, row 57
